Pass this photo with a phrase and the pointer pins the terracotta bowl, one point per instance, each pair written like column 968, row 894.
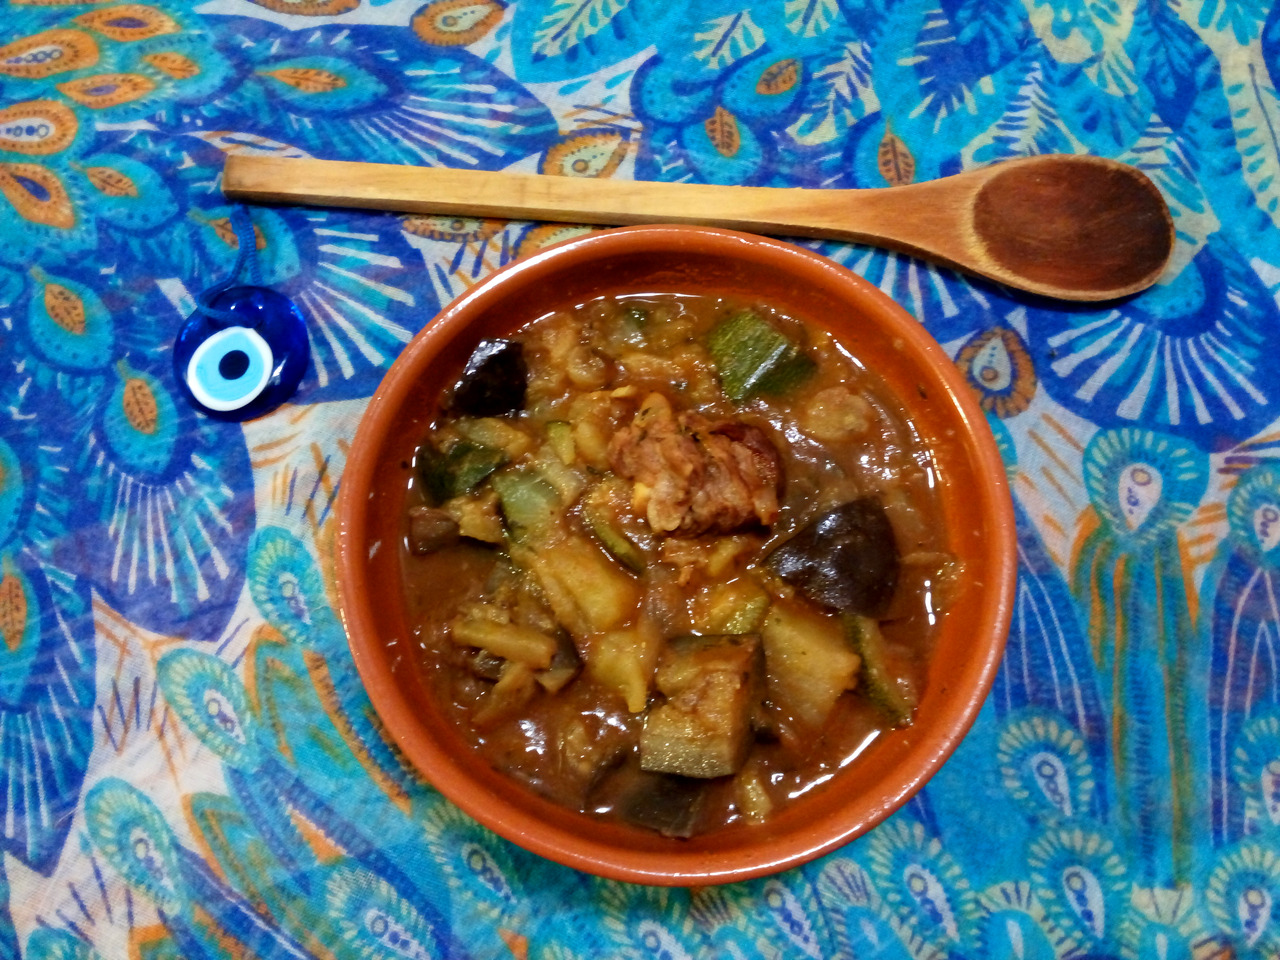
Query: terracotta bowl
column 975, row 501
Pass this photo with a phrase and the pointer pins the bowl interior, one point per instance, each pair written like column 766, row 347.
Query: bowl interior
column 890, row 343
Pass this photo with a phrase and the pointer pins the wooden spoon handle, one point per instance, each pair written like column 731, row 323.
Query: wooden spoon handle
column 440, row 190
column 1076, row 227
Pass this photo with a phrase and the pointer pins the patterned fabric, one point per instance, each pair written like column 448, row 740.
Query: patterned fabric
column 189, row 766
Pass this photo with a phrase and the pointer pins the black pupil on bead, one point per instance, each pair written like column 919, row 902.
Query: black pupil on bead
column 233, row 365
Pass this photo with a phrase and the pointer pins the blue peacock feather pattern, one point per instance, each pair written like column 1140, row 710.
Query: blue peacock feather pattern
column 1044, row 763
column 855, row 911
column 1083, row 884
column 446, row 108
column 49, row 657
column 1241, row 893
column 486, row 874
column 169, row 569
column 1168, row 921
column 1127, row 575
column 649, row 921
column 1053, row 750
column 130, row 832
column 923, row 886
column 200, row 912
column 356, row 283
column 1016, row 923
column 1127, row 766
column 1189, row 357
column 1243, row 689
column 277, row 834
column 558, row 39
column 47, row 944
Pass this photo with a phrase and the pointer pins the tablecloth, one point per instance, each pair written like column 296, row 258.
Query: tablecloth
column 189, row 766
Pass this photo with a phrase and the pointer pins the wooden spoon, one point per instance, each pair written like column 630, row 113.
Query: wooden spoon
column 1059, row 225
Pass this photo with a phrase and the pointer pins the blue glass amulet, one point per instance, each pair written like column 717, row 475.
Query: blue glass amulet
column 245, row 356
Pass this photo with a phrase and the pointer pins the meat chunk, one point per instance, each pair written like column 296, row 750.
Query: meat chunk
column 694, row 475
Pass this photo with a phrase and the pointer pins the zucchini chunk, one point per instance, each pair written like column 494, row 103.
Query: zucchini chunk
column 560, row 437
column 456, row 471
column 529, row 504
column 752, row 356
column 601, row 511
column 888, row 689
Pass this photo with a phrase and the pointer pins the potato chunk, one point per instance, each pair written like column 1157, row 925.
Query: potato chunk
column 588, row 591
column 515, row 688
column 712, row 687
column 624, row 661
column 477, row 516
column 510, row 641
column 810, row 663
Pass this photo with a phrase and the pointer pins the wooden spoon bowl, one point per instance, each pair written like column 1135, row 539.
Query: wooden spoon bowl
column 1106, row 232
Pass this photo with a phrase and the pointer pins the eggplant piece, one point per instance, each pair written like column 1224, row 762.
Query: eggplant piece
column 565, row 665
column 665, row 802
column 493, row 381
column 485, row 665
column 587, row 752
column 713, row 686
column 430, row 530
column 846, row 560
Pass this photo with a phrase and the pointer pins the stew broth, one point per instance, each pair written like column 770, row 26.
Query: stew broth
column 673, row 560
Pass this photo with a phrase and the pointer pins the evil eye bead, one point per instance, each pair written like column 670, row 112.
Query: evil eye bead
column 230, row 369
column 247, row 359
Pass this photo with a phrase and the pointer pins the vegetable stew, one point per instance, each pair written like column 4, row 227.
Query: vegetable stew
column 673, row 560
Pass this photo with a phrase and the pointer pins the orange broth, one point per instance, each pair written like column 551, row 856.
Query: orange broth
column 578, row 741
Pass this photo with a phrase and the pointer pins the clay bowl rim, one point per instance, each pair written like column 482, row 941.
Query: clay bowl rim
column 930, row 741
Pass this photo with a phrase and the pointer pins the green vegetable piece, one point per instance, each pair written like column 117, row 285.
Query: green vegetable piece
column 747, row 617
column 713, row 686
column 457, row 471
column 891, row 694
column 616, row 543
column 560, row 437
column 529, row 504
column 635, row 316
column 754, row 357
